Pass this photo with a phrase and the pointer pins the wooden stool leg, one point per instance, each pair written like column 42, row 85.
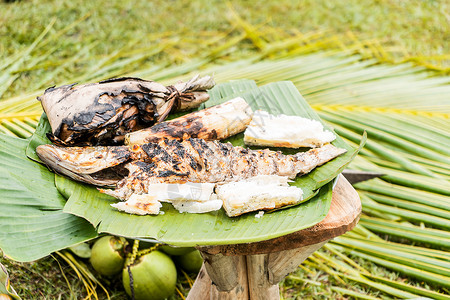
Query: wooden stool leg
column 221, row 277
column 247, row 277
column 239, row 291
column 265, row 271
column 258, row 281
column 201, row 290
column 280, row 264
column 223, row 270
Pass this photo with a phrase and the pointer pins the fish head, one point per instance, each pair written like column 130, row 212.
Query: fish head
column 93, row 165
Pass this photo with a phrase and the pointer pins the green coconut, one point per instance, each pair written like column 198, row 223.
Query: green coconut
column 154, row 277
column 81, row 250
column 107, row 256
column 175, row 250
column 190, row 262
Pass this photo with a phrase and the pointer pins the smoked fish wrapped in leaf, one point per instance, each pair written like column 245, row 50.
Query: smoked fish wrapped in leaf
column 102, row 113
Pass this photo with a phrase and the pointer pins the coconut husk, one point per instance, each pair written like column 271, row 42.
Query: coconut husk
column 102, row 113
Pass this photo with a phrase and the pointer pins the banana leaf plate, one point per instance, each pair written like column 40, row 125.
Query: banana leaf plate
column 58, row 212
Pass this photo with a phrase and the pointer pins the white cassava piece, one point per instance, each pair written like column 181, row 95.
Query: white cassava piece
column 257, row 193
column 197, row 207
column 285, row 131
column 187, row 197
column 139, row 205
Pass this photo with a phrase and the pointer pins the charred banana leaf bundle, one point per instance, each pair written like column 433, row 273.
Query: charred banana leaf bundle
column 214, row 123
column 102, row 113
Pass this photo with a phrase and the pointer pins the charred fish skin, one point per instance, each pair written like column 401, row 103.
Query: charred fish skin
column 102, row 113
column 196, row 160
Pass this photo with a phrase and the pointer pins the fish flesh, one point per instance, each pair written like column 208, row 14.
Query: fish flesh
column 134, row 168
column 102, row 113
column 214, row 123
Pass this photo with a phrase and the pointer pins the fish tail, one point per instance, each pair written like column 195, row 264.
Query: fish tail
column 117, row 193
column 306, row 161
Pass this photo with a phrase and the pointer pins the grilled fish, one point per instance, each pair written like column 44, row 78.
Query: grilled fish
column 134, row 168
column 102, row 113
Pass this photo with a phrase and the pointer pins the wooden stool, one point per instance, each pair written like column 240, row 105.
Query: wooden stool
column 253, row 270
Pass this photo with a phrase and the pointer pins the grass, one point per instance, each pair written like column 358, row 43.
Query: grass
column 416, row 28
column 419, row 26
column 45, row 278
column 104, row 30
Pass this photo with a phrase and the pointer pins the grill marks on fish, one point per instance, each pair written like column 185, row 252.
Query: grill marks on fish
column 196, row 160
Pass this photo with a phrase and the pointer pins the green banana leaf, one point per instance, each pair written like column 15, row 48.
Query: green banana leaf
column 36, row 219
column 31, row 216
column 182, row 229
